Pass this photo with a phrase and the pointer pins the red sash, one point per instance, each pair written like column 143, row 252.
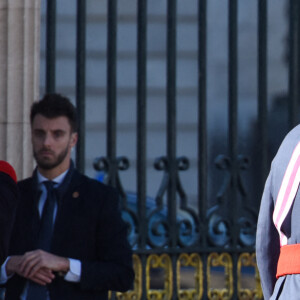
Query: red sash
column 289, row 260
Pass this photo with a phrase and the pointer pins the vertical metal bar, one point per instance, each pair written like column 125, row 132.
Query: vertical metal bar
column 293, row 63
column 262, row 91
column 141, row 114
column 232, row 78
column 202, row 125
column 202, row 131
column 80, row 81
column 233, row 109
column 111, row 89
column 50, row 46
column 171, row 113
column 171, row 127
column 141, row 130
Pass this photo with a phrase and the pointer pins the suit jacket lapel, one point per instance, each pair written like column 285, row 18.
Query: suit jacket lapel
column 69, row 205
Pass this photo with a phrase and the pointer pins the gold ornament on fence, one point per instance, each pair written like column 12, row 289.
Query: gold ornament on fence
column 248, row 260
column 220, row 260
column 160, row 262
column 194, row 261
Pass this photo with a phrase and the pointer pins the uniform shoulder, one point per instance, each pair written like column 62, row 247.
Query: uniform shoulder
column 285, row 151
column 290, row 141
column 293, row 133
column 24, row 182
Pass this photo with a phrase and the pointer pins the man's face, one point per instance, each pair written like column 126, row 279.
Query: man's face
column 52, row 141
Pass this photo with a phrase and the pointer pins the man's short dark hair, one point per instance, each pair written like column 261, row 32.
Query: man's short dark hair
column 53, row 106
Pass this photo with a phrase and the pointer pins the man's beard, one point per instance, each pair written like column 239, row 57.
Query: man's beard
column 48, row 165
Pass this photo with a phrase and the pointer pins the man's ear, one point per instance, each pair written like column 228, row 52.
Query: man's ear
column 74, row 139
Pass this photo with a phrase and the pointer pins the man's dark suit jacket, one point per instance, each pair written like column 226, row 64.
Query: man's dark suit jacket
column 89, row 228
column 8, row 204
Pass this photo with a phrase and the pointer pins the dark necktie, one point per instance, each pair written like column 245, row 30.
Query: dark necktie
column 36, row 291
column 46, row 225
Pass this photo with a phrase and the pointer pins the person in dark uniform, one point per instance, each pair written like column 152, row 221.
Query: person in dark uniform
column 8, row 204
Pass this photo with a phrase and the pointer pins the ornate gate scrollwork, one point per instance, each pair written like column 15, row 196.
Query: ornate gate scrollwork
column 227, row 224
column 104, row 165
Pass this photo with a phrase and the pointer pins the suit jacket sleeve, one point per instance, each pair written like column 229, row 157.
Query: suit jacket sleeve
column 113, row 270
column 8, row 205
column 267, row 241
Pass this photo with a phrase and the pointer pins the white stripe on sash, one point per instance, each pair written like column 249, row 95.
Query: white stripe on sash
column 287, row 192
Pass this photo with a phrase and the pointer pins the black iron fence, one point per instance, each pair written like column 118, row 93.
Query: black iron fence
column 184, row 250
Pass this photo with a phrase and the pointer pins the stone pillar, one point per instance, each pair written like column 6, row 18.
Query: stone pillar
column 19, row 79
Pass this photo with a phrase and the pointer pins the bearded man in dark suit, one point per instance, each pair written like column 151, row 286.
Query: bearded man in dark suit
column 68, row 240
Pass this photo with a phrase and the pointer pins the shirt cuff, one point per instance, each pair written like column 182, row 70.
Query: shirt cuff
column 3, row 275
column 74, row 273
